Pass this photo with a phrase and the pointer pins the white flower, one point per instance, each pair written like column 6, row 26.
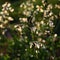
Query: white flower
column 43, row 41
column 31, row 44
column 8, row 5
column 11, row 10
column 37, row 32
column 27, row 13
column 29, row 8
column 55, row 35
column 41, row 44
column 50, row 14
column 34, row 0
column 24, row 19
column 37, row 6
column 5, row 12
column 57, row 6
column 15, row 26
column 42, row 22
column 1, row 26
column 37, row 9
column 21, row 5
column 37, row 51
column 5, row 22
column 10, row 18
column 49, row 6
column 51, row 24
column 4, row 5
column 31, row 56
column 3, row 9
column 33, row 29
column 38, row 46
column 43, row 47
column 56, row 16
column 39, row 39
column 25, row 6
column 41, row 10
column 1, row 13
column 19, row 29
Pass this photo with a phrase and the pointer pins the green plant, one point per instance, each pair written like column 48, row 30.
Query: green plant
column 27, row 33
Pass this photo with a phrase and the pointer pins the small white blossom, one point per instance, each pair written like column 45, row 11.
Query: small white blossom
column 41, row 10
column 37, row 6
column 38, row 46
column 10, row 18
column 43, row 41
column 34, row 0
column 42, row 22
column 24, row 19
column 4, row 5
column 5, row 22
column 33, row 29
column 1, row 26
column 50, row 14
column 19, row 29
column 11, row 10
column 1, row 13
column 8, row 5
column 55, row 35
column 51, row 24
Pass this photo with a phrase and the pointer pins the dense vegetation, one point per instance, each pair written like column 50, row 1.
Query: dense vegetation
column 29, row 30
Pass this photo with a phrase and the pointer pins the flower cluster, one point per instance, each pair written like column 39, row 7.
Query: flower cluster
column 42, row 28
column 28, row 7
column 4, row 14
